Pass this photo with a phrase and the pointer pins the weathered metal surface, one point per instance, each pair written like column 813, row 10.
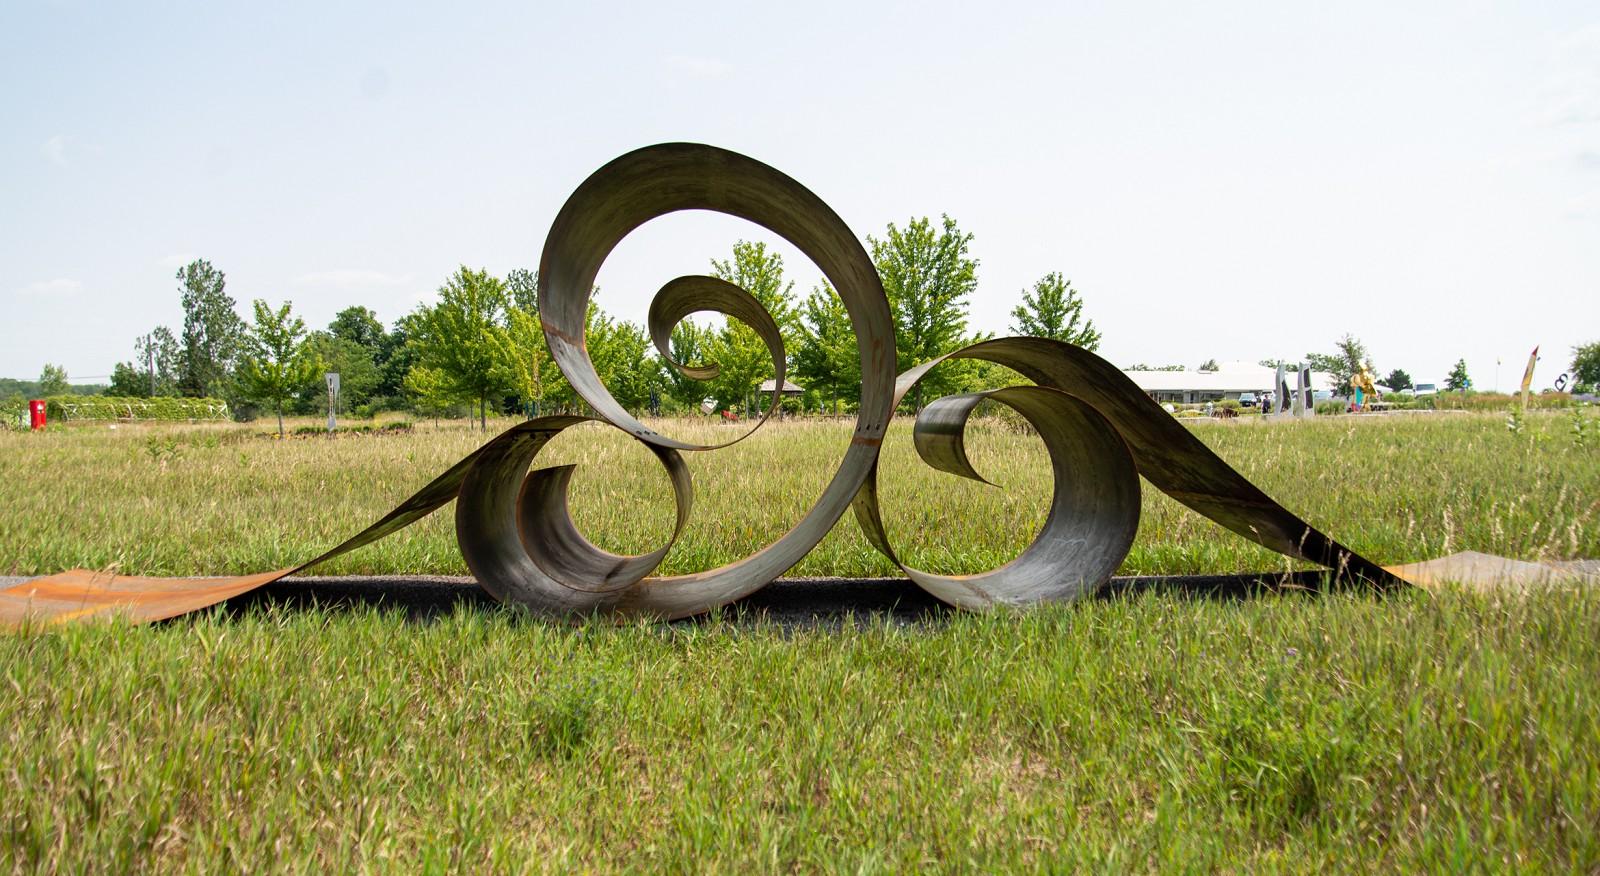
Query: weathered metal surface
column 517, row 535
column 1094, row 510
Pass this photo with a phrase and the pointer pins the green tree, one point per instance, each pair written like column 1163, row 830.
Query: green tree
column 53, row 381
column 128, row 381
column 742, row 358
column 276, row 364
column 521, row 349
column 395, row 359
column 212, row 331
column 1398, row 379
column 928, row 277
column 354, row 346
column 1208, row 365
column 1140, row 366
column 976, row 375
column 358, row 325
column 760, row 273
column 459, row 356
column 158, row 356
column 523, row 287
column 743, row 361
column 353, row 362
column 1458, row 381
column 690, row 344
column 1349, row 358
column 1586, row 367
column 620, row 351
column 828, row 358
column 1053, row 310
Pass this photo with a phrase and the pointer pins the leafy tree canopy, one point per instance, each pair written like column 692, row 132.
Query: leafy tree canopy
column 354, row 363
column 928, row 275
column 1586, row 367
column 158, row 354
column 523, row 287
column 128, row 381
column 358, row 325
column 1054, row 310
column 828, row 360
column 690, row 344
column 759, row 271
column 741, row 356
column 53, row 381
column 276, row 364
column 1349, row 359
column 212, row 331
column 457, row 354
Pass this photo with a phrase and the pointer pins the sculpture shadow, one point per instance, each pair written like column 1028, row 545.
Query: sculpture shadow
column 796, row 603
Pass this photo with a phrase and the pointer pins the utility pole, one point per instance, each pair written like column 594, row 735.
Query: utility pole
column 150, row 361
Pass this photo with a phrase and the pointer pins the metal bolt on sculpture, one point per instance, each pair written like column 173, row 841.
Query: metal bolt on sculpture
column 513, row 525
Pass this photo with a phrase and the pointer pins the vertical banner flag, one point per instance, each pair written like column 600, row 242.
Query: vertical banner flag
column 1527, row 377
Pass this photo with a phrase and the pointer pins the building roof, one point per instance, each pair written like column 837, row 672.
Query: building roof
column 1231, row 377
column 766, row 386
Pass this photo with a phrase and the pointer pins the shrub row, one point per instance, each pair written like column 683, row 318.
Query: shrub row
column 72, row 408
column 358, row 429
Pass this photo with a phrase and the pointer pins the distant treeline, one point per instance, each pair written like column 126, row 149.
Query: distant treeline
column 12, row 388
column 478, row 346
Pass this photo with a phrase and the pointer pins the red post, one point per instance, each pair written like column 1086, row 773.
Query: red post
column 36, row 413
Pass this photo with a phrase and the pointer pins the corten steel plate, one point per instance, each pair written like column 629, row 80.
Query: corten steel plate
column 1101, row 431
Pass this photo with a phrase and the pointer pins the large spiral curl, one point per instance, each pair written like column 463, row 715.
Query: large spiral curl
column 1100, row 430
column 517, row 534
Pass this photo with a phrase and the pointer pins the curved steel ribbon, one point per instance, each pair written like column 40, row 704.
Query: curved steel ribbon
column 517, row 534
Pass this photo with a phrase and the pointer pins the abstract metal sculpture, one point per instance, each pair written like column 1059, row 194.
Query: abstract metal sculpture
column 1102, row 432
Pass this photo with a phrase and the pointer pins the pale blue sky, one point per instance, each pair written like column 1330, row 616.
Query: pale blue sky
column 1238, row 181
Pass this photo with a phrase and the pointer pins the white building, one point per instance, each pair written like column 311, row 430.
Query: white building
column 1230, row 380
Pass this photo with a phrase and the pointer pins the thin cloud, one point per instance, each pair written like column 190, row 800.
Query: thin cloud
column 1570, row 94
column 351, row 280
column 54, row 150
column 374, row 83
column 703, row 68
column 1584, row 207
column 51, row 288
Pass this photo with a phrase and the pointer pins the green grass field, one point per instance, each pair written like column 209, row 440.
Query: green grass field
column 1444, row 731
column 224, row 499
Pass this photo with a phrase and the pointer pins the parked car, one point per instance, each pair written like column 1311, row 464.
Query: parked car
column 1425, row 389
column 1247, row 399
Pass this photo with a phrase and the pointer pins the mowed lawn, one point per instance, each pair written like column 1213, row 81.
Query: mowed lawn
column 1445, row 731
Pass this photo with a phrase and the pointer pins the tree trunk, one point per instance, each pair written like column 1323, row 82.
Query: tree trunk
column 483, row 414
column 280, row 419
